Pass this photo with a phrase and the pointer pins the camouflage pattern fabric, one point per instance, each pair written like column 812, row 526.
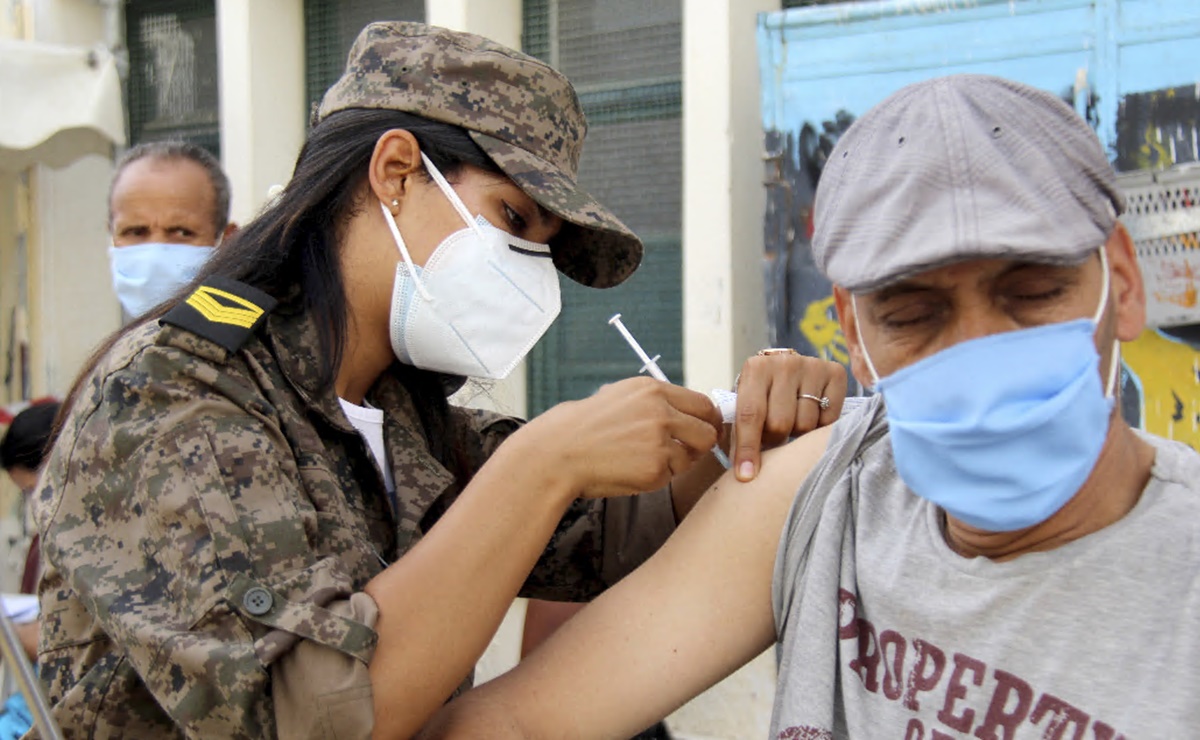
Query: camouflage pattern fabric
column 521, row 111
column 201, row 510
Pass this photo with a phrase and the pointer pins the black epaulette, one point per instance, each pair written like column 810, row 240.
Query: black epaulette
column 222, row 311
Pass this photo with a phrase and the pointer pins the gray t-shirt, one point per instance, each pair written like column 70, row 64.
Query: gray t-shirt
column 885, row 632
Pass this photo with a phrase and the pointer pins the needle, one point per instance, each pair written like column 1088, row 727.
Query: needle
column 650, row 365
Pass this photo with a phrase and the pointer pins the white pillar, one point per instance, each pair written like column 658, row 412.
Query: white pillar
column 724, row 313
column 500, row 21
column 263, row 108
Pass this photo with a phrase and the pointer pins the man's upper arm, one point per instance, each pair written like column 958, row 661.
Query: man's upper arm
column 692, row 614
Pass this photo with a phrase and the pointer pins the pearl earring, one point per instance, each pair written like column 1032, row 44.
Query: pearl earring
column 395, row 203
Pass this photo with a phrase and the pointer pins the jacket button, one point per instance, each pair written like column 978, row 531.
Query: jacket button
column 258, row 601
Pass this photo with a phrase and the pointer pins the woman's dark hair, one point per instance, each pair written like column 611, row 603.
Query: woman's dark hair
column 290, row 250
column 26, row 442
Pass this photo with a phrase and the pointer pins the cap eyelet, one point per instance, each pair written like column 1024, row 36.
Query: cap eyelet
column 900, row 142
column 996, row 132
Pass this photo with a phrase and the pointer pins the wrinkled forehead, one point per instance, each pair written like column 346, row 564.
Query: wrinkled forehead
column 171, row 189
column 154, row 177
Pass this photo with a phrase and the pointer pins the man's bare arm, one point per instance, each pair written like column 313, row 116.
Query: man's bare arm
column 691, row 615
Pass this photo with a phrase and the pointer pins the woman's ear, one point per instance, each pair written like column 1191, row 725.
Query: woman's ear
column 397, row 156
column 1128, row 291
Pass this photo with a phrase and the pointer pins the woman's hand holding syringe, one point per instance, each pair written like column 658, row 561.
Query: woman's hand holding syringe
column 779, row 395
column 650, row 366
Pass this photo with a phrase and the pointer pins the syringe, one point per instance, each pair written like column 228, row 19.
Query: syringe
column 650, row 365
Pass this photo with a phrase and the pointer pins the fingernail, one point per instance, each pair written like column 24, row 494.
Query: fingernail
column 746, row 470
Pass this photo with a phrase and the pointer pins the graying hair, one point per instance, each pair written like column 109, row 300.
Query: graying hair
column 175, row 149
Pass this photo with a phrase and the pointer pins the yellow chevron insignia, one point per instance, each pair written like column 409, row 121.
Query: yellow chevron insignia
column 213, row 304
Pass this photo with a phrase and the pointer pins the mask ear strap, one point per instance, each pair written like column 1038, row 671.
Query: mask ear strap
column 452, row 196
column 863, row 345
column 1114, row 366
column 1105, row 286
column 412, row 272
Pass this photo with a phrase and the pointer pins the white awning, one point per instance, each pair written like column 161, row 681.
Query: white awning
column 59, row 103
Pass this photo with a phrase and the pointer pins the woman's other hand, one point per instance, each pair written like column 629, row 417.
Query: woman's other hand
column 780, row 395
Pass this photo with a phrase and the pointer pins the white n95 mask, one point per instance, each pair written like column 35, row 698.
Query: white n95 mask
column 480, row 302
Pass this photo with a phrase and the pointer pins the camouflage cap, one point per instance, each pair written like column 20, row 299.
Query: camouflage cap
column 519, row 110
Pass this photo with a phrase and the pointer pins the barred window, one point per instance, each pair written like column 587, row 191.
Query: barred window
column 173, row 79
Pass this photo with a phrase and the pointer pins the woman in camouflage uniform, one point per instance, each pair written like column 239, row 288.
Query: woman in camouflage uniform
column 260, row 523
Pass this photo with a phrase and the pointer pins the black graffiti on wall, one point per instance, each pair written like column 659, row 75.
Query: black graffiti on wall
column 1159, row 128
column 800, row 311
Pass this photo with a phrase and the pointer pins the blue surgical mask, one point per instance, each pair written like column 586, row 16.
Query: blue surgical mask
column 145, row 275
column 1001, row 431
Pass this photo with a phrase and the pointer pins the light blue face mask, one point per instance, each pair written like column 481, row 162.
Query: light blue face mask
column 145, row 275
column 1001, row 431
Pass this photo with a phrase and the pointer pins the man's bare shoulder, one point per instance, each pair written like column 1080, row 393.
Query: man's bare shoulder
column 795, row 460
column 733, row 532
column 784, row 470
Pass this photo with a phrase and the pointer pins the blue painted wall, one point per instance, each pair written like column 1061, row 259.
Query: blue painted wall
column 817, row 61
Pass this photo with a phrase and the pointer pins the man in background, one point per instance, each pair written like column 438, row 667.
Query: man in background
column 168, row 208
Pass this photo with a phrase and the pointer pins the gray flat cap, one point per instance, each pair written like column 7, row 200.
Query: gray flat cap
column 956, row 168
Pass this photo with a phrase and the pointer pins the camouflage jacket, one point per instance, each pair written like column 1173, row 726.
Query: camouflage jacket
column 205, row 504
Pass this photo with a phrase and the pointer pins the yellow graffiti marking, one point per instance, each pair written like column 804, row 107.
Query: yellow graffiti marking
column 1152, row 153
column 1167, row 372
column 820, row 327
